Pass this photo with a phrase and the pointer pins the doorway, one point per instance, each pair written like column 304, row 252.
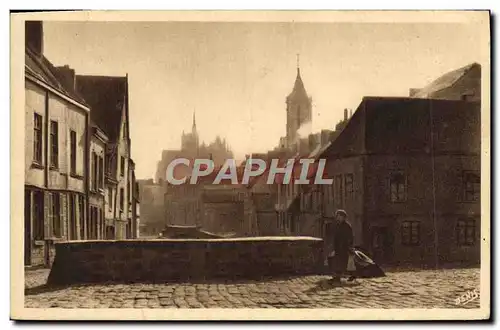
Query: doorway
column 27, row 228
column 110, row 232
column 381, row 244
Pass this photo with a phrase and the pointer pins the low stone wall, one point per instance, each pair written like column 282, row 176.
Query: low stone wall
column 174, row 260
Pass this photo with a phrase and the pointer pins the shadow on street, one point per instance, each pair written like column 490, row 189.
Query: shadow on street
column 327, row 284
column 43, row 289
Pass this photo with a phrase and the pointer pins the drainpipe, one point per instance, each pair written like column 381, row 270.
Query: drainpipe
column 436, row 256
column 45, row 156
column 86, row 173
column 116, row 191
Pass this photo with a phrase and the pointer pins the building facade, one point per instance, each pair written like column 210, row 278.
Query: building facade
column 222, row 209
column 407, row 171
column 182, row 204
column 109, row 100
column 95, row 222
column 133, row 201
column 56, row 144
column 152, row 197
column 77, row 155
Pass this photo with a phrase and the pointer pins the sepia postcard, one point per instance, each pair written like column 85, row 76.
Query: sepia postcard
column 250, row 165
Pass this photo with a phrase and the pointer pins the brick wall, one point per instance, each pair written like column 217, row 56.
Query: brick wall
column 418, row 206
column 184, row 260
column 353, row 203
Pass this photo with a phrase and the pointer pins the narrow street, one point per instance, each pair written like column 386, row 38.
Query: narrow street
column 408, row 289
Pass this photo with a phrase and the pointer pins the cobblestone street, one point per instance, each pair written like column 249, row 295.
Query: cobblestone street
column 420, row 289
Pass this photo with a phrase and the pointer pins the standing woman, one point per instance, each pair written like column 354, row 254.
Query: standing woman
column 343, row 239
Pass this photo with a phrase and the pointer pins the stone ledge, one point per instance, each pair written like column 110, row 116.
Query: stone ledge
column 174, row 260
column 186, row 240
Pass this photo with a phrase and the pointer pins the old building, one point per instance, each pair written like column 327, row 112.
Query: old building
column 460, row 84
column 182, row 204
column 264, row 196
column 137, row 211
column 297, row 205
column 109, row 101
column 222, row 209
column 407, row 171
column 95, row 222
column 56, row 153
column 75, row 128
column 191, row 148
column 133, row 202
column 153, row 218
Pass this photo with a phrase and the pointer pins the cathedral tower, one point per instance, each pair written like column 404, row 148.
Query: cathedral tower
column 298, row 109
column 190, row 141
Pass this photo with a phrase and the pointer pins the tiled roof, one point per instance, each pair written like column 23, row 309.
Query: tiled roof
column 106, row 96
column 445, row 81
column 400, row 124
column 42, row 69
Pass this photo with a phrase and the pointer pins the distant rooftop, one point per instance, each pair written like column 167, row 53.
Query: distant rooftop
column 445, row 81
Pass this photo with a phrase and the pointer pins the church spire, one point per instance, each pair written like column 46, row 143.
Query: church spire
column 298, row 65
column 194, row 121
column 299, row 91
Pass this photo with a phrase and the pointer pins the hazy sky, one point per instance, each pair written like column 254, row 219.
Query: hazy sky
column 237, row 75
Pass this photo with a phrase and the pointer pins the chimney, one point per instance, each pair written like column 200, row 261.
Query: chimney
column 312, row 142
column 325, row 136
column 414, row 91
column 67, row 76
column 345, row 114
column 350, row 113
column 34, row 36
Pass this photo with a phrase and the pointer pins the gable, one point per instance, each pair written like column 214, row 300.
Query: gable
column 107, row 97
column 351, row 141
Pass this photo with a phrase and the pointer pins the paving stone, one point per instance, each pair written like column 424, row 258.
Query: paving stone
column 421, row 289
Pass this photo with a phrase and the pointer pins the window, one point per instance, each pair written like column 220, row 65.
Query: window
column 472, row 186
column 37, row 139
column 94, row 213
column 95, row 171
column 54, row 214
column 101, row 172
column 72, row 135
column 72, row 217
column 122, row 199
column 349, row 187
column 108, row 165
column 102, row 222
column 81, row 219
column 54, row 144
column 466, row 232
column 398, row 187
column 122, row 166
column 110, row 199
column 38, row 216
column 129, row 191
column 87, row 223
column 129, row 229
column 410, row 233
